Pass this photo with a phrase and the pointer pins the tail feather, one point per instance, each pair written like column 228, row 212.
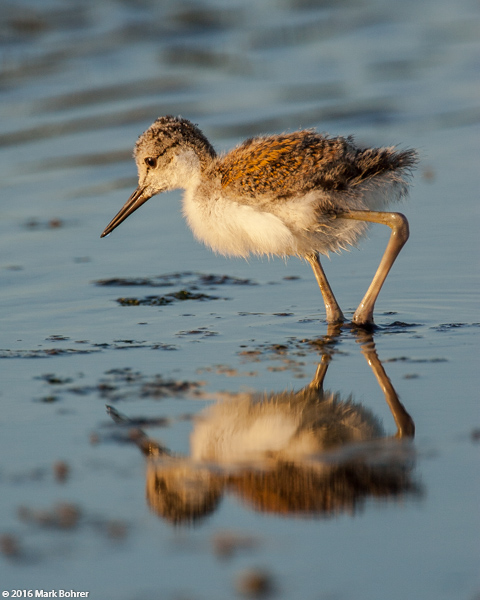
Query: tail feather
column 374, row 162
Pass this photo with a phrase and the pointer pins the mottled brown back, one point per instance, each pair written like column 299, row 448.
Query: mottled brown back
column 296, row 163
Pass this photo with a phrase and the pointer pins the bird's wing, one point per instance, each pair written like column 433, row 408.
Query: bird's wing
column 287, row 165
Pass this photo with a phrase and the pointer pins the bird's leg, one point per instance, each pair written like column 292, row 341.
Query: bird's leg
column 333, row 311
column 399, row 225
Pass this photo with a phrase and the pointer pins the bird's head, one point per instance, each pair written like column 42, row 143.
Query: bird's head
column 170, row 154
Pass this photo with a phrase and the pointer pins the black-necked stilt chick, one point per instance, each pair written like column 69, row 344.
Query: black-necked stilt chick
column 297, row 193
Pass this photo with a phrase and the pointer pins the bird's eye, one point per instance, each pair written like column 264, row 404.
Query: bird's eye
column 151, row 162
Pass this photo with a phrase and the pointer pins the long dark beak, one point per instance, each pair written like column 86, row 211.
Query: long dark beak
column 139, row 197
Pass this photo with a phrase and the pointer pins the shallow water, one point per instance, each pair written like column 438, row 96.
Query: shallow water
column 79, row 82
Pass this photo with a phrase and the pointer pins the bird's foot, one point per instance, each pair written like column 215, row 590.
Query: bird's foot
column 334, row 313
column 363, row 316
column 368, row 326
column 360, row 327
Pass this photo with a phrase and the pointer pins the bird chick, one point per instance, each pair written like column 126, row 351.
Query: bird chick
column 293, row 194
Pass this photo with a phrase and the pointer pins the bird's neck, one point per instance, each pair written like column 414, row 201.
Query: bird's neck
column 187, row 170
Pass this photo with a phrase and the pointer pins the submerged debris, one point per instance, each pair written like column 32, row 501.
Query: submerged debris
column 255, row 583
column 164, row 300
column 127, row 383
column 9, row 545
column 63, row 515
column 45, row 353
column 61, row 471
column 187, row 279
column 191, row 285
column 53, row 223
column 227, row 543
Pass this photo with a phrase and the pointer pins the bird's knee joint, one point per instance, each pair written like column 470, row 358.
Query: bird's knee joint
column 399, row 225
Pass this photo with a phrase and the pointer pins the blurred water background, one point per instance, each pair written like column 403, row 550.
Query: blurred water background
column 79, row 81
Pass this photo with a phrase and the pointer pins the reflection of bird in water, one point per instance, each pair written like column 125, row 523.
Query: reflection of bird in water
column 286, row 426
column 306, row 452
column 298, row 194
